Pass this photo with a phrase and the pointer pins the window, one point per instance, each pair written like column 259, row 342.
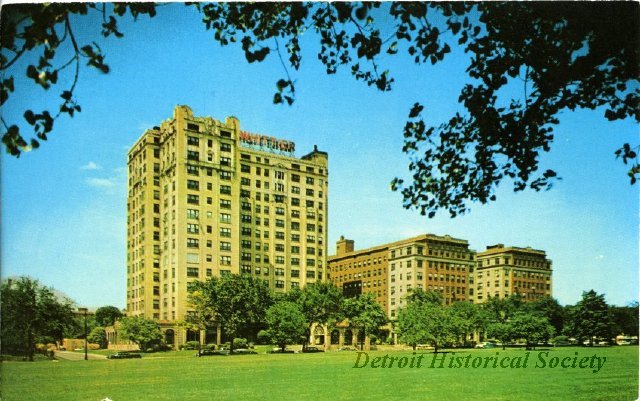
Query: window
column 295, row 214
column 225, row 218
column 225, row 260
column 193, row 155
column 295, row 262
column 295, row 190
column 295, row 273
column 245, row 168
column 225, row 246
column 225, row 232
column 245, row 218
column 280, row 260
column 193, row 199
column 245, row 181
column 193, row 229
column 295, row 178
column 309, row 192
column 295, row 237
column 279, row 175
column 245, row 244
column 310, row 180
column 192, row 272
column 192, row 184
column 225, row 204
column 193, row 170
column 193, row 243
column 246, row 206
column 280, row 211
column 310, row 203
column 225, row 175
column 295, row 249
column 225, row 161
column 279, row 284
column 225, row 147
column 280, row 247
column 280, row 235
column 311, row 227
column 225, row 190
column 279, row 223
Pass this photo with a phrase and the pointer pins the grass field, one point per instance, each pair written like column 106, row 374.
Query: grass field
column 331, row 376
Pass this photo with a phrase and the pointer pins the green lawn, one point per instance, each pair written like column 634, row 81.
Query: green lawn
column 331, row 376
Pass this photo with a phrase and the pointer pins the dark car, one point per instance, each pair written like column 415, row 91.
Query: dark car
column 206, row 352
column 124, row 355
column 312, row 349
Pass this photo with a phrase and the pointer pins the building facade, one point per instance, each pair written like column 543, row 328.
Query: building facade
column 503, row 271
column 439, row 263
column 391, row 271
column 206, row 199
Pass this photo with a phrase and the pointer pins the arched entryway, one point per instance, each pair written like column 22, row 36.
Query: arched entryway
column 169, row 337
column 318, row 336
column 335, row 337
column 348, row 337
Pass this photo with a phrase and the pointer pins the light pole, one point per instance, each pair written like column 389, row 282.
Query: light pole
column 84, row 311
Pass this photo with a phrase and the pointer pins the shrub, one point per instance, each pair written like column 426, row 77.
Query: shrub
column 212, row 347
column 239, row 343
column 263, row 337
column 191, row 345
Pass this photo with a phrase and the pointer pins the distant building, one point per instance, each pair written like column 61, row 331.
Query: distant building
column 440, row 263
column 206, row 199
column 503, row 271
column 391, row 271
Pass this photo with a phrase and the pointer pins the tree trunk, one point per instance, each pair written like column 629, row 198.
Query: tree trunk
column 30, row 345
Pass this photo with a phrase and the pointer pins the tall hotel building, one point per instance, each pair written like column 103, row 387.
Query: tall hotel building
column 207, row 199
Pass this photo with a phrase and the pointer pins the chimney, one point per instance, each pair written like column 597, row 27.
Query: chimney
column 344, row 246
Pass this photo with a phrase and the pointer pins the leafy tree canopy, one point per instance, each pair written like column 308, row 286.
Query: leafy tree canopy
column 98, row 336
column 31, row 313
column 319, row 302
column 107, row 315
column 237, row 302
column 144, row 332
column 562, row 55
column 590, row 318
column 364, row 313
column 532, row 327
column 286, row 322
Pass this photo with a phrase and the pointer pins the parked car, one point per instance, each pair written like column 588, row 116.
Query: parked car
column 347, row 348
column 206, row 352
column 485, row 345
column 124, row 355
column 312, row 349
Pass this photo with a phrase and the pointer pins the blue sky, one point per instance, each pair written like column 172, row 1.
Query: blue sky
column 63, row 206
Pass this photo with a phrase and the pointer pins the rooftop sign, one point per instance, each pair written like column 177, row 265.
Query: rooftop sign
column 268, row 142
